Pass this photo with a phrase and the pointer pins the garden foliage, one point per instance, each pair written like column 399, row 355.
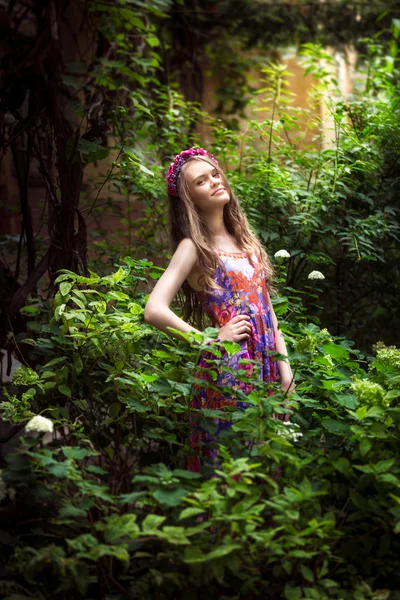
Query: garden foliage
column 97, row 501
column 105, row 506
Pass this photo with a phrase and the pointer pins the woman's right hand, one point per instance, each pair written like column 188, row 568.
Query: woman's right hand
column 236, row 330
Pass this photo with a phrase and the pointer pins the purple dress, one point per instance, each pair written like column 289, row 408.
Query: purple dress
column 244, row 292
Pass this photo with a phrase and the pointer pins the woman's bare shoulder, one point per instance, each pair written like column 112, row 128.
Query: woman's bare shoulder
column 188, row 251
column 185, row 254
column 187, row 245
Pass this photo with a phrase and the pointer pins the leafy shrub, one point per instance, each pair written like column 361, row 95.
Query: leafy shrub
column 107, row 508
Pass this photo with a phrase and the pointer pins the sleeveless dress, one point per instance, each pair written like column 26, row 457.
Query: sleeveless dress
column 244, row 292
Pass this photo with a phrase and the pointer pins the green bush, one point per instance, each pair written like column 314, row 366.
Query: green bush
column 105, row 507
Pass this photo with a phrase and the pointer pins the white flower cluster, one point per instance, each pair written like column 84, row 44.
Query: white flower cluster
column 292, row 431
column 316, row 275
column 39, row 424
column 282, row 254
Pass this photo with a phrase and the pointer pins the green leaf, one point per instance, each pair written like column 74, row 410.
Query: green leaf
column 280, row 304
column 365, row 446
column 135, row 405
column 392, row 394
column 114, row 409
column 384, row 465
column 170, row 497
column 342, row 465
column 186, row 474
column 59, row 469
column 65, row 288
column 231, row 347
column 151, row 523
column 96, row 469
column 375, row 411
column 307, row 573
column 361, row 412
column 175, row 535
column 64, row 276
column 390, row 478
column 118, row 527
column 335, row 351
column 131, row 498
column 59, row 311
column 64, row 389
column 148, row 378
column 48, row 374
column 30, row 310
column 219, row 552
column 135, row 309
column 77, row 453
column 153, row 41
column 69, row 510
column 190, row 512
column 55, row 361
column 144, row 169
column 347, row 400
column 82, row 542
column 335, row 427
column 329, row 583
column 77, row 362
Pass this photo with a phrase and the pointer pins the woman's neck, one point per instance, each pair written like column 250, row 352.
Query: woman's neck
column 225, row 242
column 216, row 225
column 221, row 239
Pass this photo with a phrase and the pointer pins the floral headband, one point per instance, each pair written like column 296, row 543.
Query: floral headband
column 176, row 167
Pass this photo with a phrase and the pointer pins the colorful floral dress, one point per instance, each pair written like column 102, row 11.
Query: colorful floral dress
column 244, row 292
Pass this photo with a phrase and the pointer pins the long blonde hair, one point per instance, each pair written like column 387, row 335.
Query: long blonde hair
column 186, row 221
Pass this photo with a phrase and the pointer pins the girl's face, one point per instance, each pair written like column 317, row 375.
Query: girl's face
column 206, row 185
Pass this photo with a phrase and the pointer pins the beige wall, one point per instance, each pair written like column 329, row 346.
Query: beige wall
column 300, row 86
column 258, row 110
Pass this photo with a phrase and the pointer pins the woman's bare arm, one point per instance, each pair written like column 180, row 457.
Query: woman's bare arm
column 157, row 311
column 285, row 371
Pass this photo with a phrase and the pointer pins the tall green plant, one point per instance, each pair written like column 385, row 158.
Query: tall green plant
column 305, row 510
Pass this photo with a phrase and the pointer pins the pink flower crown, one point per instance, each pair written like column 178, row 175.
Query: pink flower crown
column 176, row 166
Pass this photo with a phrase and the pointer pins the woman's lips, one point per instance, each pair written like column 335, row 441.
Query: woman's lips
column 219, row 191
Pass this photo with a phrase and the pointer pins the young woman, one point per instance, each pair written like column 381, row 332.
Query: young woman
column 223, row 272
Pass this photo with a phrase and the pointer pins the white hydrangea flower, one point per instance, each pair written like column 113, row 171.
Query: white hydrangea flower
column 293, row 430
column 40, row 424
column 316, row 275
column 282, row 254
